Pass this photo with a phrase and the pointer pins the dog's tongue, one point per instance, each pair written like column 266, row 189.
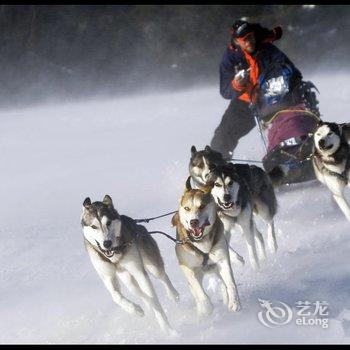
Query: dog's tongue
column 109, row 253
column 197, row 231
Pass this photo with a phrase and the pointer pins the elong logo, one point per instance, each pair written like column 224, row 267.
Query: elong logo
column 273, row 316
column 282, row 314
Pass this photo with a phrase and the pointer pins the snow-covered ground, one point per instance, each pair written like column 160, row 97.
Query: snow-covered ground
column 137, row 150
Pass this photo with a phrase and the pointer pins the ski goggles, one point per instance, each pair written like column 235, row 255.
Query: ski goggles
column 246, row 37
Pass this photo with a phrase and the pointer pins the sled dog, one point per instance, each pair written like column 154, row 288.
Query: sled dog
column 235, row 206
column 264, row 203
column 122, row 251
column 201, row 166
column 331, row 160
column 204, row 248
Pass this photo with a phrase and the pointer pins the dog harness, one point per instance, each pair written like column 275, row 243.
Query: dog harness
column 204, row 255
column 117, row 250
column 322, row 168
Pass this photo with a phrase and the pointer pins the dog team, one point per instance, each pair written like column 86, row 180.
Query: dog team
column 219, row 197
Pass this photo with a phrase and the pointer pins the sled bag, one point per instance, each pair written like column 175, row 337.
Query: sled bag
column 289, row 124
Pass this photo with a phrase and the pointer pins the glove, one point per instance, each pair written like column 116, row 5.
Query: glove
column 241, row 81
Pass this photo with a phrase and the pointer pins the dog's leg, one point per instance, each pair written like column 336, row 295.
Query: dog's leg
column 337, row 186
column 343, row 205
column 112, row 286
column 247, row 226
column 159, row 273
column 107, row 273
column 260, row 244
column 172, row 293
column 137, row 270
column 204, row 305
column 271, row 237
column 219, row 255
column 235, row 258
column 271, row 234
column 131, row 284
column 222, row 288
column 224, row 293
column 154, row 264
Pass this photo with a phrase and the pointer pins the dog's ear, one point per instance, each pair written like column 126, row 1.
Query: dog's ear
column 320, row 122
column 207, row 189
column 188, row 184
column 193, row 150
column 232, row 167
column 207, row 148
column 107, row 200
column 87, row 202
column 345, row 131
column 175, row 220
column 207, row 197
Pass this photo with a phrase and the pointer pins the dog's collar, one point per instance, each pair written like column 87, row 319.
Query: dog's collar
column 189, row 240
column 196, row 183
column 117, row 250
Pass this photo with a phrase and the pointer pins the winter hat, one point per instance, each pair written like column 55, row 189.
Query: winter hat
column 241, row 28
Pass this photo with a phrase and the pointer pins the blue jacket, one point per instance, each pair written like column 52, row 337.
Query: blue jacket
column 271, row 63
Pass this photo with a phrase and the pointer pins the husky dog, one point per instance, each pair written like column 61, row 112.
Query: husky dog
column 331, row 160
column 204, row 248
column 235, row 206
column 201, row 167
column 263, row 197
column 121, row 250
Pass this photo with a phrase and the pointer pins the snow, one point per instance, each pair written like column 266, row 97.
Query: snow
column 136, row 149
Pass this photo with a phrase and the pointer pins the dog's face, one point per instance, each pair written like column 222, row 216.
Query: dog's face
column 197, row 212
column 101, row 225
column 202, row 164
column 327, row 138
column 225, row 188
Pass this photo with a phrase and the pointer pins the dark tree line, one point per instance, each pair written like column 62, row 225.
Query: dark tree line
column 80, row 50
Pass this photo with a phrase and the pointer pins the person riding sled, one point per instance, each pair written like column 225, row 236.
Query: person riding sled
column 265, row 86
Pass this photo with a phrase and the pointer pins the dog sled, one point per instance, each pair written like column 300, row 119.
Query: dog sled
column 286, row 121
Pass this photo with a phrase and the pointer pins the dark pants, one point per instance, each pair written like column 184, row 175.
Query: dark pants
column 236, row 122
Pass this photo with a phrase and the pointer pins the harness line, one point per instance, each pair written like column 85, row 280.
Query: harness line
column 246, row 160
column 177, row 241
column 147, row 220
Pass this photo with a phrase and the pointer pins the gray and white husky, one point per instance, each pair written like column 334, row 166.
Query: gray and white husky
column 331, row 160
column 264, row 203
column 235, row 206
column 121, row 250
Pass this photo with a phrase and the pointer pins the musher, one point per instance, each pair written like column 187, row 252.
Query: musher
column 260, row 80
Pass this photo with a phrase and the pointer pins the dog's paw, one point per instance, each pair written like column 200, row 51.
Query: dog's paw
column 235, row 258
column 205, row 308
column 172, row 333
column 273, row 247
column 174, row 296
column 255, row 265
column 234, row 306
column 137, row 310
column 240, row 260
